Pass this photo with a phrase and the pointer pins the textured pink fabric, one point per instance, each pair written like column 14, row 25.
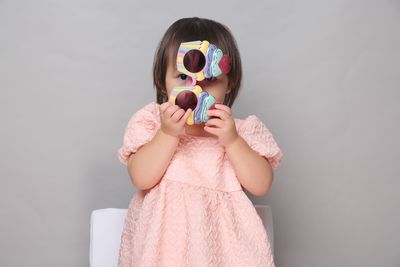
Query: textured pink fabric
column 198, row 214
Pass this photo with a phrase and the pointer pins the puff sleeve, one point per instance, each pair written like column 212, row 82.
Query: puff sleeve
column 260, row 139
column 141, row 129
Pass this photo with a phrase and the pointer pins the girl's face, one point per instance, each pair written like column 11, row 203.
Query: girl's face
column 217, row 87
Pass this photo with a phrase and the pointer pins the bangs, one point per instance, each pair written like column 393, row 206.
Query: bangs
column 198, row 31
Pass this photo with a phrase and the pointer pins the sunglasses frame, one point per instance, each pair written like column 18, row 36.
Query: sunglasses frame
column 216, row 63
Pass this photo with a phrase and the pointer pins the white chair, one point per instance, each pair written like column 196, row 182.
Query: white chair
column 106, row 229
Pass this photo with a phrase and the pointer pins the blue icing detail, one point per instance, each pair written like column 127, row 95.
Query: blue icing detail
column 208, row 102
column 209, row 59
column 199, row 109
column 205, row 101
column 217, row 56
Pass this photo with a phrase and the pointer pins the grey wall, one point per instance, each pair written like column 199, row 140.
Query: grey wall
column 323, row 75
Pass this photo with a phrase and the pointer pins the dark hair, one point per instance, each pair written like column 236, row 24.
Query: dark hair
column 192, row 29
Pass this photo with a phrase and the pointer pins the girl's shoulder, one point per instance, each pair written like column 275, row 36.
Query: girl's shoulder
column 152, row 108
column 149, row 113
column 250, row 123
column 141, row 128
column 254, row 131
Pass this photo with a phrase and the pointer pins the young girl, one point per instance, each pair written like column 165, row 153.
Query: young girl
column 191, row 208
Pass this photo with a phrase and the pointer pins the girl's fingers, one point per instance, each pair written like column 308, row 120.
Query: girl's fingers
column 211, row 130
column 164, row 106
column 224, row 107
column 185, row 117
column 171, row 110
column 177, row 115
column 219, row 113
column 215, row 122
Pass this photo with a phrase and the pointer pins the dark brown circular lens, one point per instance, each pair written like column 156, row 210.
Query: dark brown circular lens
column 186, row 99
column 194, row 60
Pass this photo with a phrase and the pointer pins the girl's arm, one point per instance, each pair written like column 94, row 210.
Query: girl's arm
column 148, row 164
column 252, row 170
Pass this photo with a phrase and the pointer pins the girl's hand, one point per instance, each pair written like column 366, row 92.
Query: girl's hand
column 173, row 119
column 224, row 124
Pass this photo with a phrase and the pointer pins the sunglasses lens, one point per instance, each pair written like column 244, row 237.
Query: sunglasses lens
column 186, row 99
column 194, row 61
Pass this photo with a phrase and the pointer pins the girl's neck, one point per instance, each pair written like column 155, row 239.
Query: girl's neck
column 197, row 130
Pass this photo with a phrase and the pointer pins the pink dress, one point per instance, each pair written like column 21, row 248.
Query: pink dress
column 198, row 214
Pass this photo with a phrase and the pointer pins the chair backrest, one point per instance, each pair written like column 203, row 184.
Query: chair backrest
column 106, row 228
